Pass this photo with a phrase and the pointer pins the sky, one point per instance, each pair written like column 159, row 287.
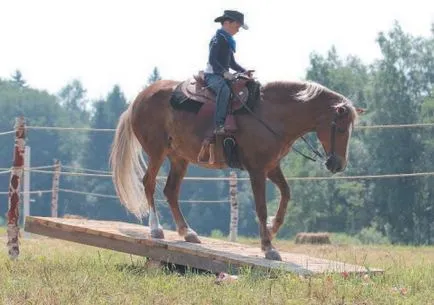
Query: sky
column 104, row 43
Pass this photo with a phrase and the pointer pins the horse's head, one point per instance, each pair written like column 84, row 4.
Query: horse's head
column 334, row 131
column 313, row 107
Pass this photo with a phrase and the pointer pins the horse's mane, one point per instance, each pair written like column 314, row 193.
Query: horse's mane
column 300, row 91
column 308, row 91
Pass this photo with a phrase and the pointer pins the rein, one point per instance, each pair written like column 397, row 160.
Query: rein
column 315, row 151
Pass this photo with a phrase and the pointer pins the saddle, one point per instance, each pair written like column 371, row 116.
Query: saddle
column 195, row 88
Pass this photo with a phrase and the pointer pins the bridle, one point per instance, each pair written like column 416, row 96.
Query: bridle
column 334, row 129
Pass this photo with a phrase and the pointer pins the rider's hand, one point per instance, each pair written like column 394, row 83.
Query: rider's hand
column 249, row 73
column 228, row 75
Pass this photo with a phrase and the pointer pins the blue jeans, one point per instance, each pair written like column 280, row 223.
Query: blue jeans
column 221, row 88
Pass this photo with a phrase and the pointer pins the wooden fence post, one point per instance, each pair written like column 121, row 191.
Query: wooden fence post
column 55, row 191
column 234, row 206
column 26, row 186
column 14, row 188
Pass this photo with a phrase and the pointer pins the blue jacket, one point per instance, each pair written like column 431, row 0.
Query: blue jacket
column 221, row 55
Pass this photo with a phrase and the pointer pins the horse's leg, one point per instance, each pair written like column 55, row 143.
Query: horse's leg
column 257, row 179
column 276, row 176
column 149, row 182
column 178, row 168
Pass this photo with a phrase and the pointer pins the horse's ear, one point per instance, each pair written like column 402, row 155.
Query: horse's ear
column 360, row 110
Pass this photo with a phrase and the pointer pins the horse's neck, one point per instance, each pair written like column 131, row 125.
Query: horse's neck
column 292, row 120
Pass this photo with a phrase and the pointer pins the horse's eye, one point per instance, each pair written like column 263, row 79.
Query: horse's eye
column 341, row 110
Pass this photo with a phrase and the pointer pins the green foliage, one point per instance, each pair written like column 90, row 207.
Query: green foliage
column 344, row 239
column 39, row 109
column 105, row 116
column 155, row 75
column 396, row 89
column 349, row 76
column 217, row 234
column 17, row 79
column 370, row 236
column 402, row 81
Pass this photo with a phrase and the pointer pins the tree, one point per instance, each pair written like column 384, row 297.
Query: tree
column 106, row 115
column 347, row 76
column 17, row 78
column 116, row 104
column 155, row 75
column 39, row 109
column 73, row 96
column 403, row 79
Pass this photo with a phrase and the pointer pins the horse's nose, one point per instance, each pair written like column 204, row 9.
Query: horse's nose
column 334, row 163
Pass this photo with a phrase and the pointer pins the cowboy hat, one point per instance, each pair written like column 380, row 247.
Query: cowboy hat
column 232, row 15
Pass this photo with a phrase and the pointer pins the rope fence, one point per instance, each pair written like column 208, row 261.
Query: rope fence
column 72, row 173
column 157, row 200
column 7, row 132
column 193, row 178
column 86, row 169
column 19, row 167
column 54, row 128
column 416, row 125
column 114, row 196
column 57, row 128
column 30, row 192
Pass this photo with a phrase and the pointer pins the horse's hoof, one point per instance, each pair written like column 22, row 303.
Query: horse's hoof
column 192, row 237
column 273, row 255
column 157, row 233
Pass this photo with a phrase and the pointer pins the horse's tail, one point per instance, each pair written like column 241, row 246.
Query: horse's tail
column 128, row 173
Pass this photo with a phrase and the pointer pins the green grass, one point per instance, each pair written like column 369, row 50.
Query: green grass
column 50, row 271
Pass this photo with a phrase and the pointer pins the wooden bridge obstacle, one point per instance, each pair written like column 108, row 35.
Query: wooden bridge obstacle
column 211, row 255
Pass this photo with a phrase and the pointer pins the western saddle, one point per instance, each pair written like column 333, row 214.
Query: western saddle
column 196, row 89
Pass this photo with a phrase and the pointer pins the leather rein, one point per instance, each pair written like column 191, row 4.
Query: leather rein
column 313, row 149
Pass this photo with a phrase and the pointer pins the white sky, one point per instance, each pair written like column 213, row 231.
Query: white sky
column 103, row 43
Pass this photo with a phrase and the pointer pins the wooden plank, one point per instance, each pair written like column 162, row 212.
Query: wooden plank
column 212, row 255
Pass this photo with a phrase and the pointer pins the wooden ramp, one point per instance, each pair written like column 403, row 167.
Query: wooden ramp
column 212, row 255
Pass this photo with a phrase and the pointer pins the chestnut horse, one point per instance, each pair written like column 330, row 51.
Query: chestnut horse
column 290, row 109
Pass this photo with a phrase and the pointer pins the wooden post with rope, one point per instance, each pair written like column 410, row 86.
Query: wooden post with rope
column 234, row 206
column 14, row 188
column 55, row 190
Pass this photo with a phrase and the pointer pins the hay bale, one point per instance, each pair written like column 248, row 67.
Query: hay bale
column 318, row 238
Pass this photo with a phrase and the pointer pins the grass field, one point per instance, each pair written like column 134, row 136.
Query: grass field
column 50, row 271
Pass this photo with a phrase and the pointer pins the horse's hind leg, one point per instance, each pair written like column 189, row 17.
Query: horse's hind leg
column 178, row 168
column 149, row 182
column 276, row 176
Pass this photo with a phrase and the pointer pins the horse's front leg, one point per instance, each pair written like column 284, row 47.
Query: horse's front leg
column 276, row 176
column 257, row 179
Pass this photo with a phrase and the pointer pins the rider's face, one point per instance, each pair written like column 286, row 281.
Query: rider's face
column 232, row 27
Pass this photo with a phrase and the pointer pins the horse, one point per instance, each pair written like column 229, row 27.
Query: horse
column 285, row 111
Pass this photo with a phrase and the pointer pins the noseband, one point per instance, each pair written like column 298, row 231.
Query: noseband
column 335, row 129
